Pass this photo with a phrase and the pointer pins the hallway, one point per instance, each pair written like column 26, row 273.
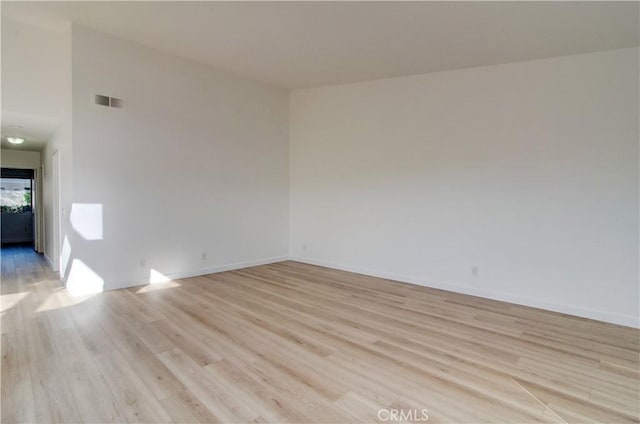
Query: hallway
column 22, row 261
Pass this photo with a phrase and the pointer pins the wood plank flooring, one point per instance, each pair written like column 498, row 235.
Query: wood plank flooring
column 296, row 343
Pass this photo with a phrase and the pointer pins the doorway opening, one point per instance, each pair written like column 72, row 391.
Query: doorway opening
column 17, row 205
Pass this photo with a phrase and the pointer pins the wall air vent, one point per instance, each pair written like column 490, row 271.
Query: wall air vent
column 113, row 102
column 108, row 101
column 102, row 100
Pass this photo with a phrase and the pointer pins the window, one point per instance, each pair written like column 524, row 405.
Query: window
column 15, row 195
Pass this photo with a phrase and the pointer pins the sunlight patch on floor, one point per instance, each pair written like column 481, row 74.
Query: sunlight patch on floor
column 8, row 301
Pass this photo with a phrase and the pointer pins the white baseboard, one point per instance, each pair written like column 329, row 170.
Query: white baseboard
column 626, row 320
column 204, row 271
column 50, row 262
column 228, row 267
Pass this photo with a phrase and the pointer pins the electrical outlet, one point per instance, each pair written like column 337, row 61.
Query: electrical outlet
column 203, row 256
column 475, row 270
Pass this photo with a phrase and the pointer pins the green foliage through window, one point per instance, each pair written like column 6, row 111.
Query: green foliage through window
column 15, row 209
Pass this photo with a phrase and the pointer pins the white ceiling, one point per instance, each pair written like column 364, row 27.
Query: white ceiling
column 35, row 130
column 301, row 44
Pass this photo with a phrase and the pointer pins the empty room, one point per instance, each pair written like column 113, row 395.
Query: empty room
column 320, row 212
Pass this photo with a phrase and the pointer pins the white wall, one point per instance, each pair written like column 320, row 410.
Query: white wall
column 528, row 171
column 32, row 69
column 196, row 161
column 22, row 159
column 57, row 199
column 57, row 194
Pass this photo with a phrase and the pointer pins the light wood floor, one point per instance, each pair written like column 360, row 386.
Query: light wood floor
column 297, row 343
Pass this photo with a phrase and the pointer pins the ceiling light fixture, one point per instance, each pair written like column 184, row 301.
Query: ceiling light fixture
column 15, row 140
